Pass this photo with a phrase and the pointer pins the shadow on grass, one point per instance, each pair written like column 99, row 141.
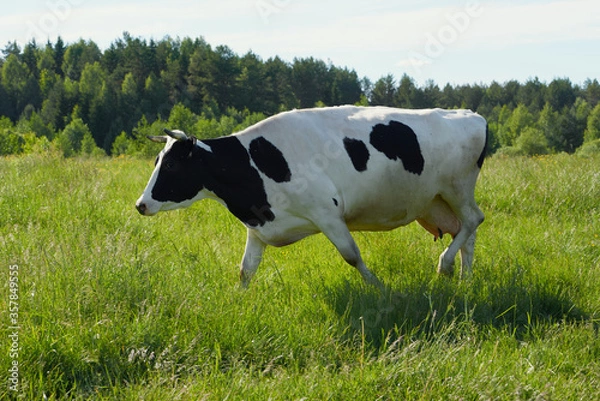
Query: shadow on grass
column 442, row 305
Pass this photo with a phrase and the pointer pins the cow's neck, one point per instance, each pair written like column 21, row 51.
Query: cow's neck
column 230, row 178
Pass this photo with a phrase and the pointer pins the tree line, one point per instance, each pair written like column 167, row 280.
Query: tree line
column 79, row 99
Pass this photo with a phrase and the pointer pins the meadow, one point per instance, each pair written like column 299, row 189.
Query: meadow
column 111, row 305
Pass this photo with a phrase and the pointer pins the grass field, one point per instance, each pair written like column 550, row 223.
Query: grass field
column 114, row 306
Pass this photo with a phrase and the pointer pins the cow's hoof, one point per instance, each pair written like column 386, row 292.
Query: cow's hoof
column 466, row 274
column 244, row 280
column 445, row 272
column 377, row 284
column 445, row 268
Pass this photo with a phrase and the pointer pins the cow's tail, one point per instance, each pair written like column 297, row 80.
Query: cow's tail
column 484, row 151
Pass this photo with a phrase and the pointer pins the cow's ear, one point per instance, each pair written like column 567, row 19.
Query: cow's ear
column 192, row 141
column 159, row 139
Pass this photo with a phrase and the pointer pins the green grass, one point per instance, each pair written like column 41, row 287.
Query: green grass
column 116, row 306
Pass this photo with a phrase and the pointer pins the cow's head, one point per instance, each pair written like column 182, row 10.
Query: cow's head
column 176, row 181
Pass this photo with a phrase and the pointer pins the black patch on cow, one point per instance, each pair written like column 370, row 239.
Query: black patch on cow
column 399, row 141
column 269, row 159
column 178, row 179
column 226, row 171
column 335, row 201
column 358, row 152
column 485, row 148
column 232, row 178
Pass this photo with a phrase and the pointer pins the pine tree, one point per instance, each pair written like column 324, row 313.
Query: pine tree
column 592, row 131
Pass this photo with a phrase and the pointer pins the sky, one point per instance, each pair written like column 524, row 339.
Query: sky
column 456, row 42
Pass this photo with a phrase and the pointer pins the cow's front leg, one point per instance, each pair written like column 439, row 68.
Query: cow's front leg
column 340, row 236
column 252, row 257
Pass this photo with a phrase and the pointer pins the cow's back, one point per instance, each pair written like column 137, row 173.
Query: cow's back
column 380, row 166
column 304, row 134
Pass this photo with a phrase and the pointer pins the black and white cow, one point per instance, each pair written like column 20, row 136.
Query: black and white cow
column 333, row 170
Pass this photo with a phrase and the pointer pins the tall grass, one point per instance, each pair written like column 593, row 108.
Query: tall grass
column 116, row 306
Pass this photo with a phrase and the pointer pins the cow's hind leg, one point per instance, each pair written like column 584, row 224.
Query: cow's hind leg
column 471, row 217
column 466, row 257
column 252, row 257
column 340, row 236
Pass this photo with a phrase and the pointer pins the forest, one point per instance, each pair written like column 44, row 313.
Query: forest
column 78, row 99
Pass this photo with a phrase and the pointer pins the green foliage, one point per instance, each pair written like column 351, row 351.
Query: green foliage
column 115, row 306
column 37, row 125
column 14, row 80
column 182, row 118
column 88, row 146
column 560, row 93
column 77, row 57
column 10, row 141
column 76, row 139
column 384, row 91
column 510, row 151
column 548, row 123
column 121, row 145
column 592, row 131
column 114, row 89
column 532, row 142
column 204, row 90
column 37, row 145
column 22, row 138
column 138, row 144
column 589, row 148
column 364, row 101
column 519, row 119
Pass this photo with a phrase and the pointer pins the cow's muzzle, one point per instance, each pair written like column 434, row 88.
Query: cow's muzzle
column 148, row 207
column 142, row 208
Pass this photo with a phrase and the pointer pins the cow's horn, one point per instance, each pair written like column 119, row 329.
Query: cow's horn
column 179, row 135
column 159, row 139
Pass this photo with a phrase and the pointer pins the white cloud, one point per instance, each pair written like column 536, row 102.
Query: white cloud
column 375, row 37
column 505, row 23
column 105, row 22
column 313, row 26
column 414, row 62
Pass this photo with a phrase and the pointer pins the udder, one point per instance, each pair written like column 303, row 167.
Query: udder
column 440, row 219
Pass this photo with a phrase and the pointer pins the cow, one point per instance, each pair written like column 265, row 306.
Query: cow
column 333, row 170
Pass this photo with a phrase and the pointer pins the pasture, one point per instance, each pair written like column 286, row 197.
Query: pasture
column 115, row 306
